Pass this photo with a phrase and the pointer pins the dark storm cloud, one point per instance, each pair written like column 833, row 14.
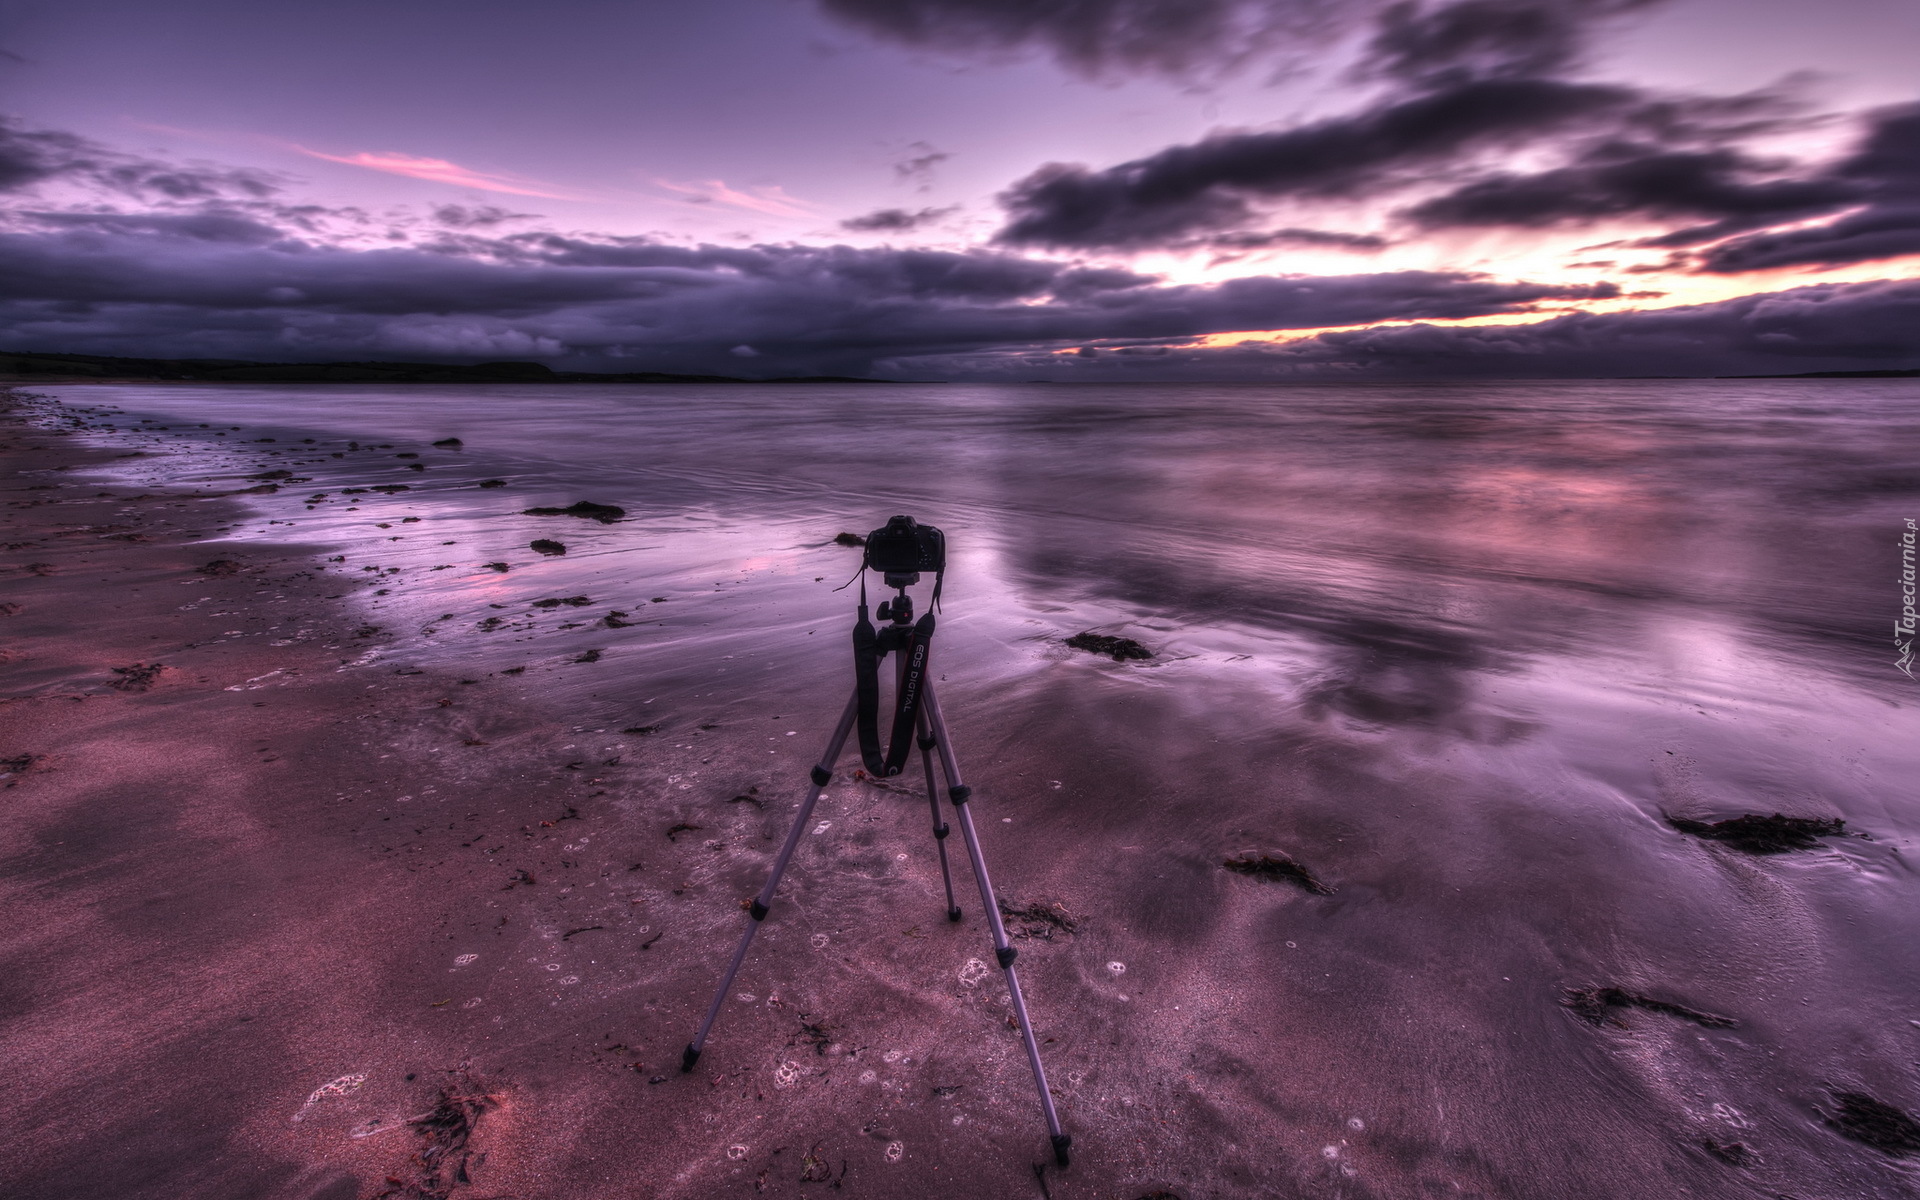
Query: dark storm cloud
column 1639, row 180
column 1831, row 326
column 1874, row 189
column 893, row 220
column 1327, row 238
column 1099, row 37
column 1445, row 45
column 29, row 158
column 1207, row 185
column 228, row 284
column 1884, row 177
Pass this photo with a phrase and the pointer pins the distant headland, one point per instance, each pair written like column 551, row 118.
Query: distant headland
column 25, row 367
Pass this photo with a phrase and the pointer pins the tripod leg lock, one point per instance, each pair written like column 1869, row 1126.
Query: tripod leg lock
column 757, row 910
column 1060, row 1143
column 961, row 794
column 688, row 1057
column 1006, row 955
column 928, row 743
column 821, row 775
column 941, row 831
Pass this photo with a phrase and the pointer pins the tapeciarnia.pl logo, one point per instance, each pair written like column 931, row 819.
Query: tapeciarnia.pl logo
column 1904, row 627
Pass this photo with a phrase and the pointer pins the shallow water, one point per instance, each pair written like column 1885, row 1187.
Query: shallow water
column 1458, row 648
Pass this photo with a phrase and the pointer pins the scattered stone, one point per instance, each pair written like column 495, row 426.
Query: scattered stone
column 451, row 443
column 1099, row 643
column 41, row 569
column 682, row 827
column 1875, row 1123
column 641, row 729
column 747, row 797
column 1756, row 834
column 514, row 671
column 1595, row 1006
column 220, row 566
column 1038, row 919
column 136, row 678
column 548, row 546
column 490, row 483
column 612, row 621
column 10, row 609
column 557, row 601
column 589, row 657
column 849, row 539
column 1278, row 868
column 272, row 475
column 390, row 488
column 495, row 566
column 606, row 514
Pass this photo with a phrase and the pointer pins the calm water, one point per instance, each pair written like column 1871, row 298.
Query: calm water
column 1459, row 648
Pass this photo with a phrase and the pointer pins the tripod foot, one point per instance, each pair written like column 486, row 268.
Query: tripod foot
column 1060, row 1143
column 688, row 1057
column 953, row 914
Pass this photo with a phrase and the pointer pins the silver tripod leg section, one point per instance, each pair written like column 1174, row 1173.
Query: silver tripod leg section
column 960, row 793
column 940, row 829
column 762, row 904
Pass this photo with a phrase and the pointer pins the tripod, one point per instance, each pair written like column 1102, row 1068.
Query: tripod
column 932, row 731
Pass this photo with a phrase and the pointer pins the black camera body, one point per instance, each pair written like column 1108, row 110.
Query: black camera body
column 904, row 547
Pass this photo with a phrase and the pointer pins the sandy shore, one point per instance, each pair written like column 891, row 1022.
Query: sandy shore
column 293, row 912
column 282, row 925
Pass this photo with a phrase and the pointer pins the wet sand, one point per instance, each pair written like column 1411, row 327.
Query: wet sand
column 290, row 921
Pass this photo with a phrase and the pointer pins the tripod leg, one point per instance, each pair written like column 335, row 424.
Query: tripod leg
column 940, row 830
column 822, row 772
column 960, row 793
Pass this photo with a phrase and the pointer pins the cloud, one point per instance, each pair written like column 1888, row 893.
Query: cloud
column 1882, row 176
column 234, row 285
column 771, row 200
column 439, row 170
column 918, row 168
column 1206, row 186
column 894, row 220
column 1860, row 326
column 1102, row 37
column 485, row 216
column 31, row 158
column 1446, row 45
column 1637, row 180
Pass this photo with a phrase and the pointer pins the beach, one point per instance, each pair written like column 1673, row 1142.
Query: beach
column 1367, row 883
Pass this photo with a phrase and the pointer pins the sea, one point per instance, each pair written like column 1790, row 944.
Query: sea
column 1487, row 661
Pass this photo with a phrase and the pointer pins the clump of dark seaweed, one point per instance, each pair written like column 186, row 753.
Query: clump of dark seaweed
column 1595, row 1006
column 606, row 514
column 849, row 539
column 1038, row 919
column 1756, row 834
column 1875, row 1123
column 1278, row 868
column 441, row 1164
column 1737, row 1154
column 1099, row 643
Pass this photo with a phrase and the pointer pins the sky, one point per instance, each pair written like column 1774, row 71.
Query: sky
column 969, row 189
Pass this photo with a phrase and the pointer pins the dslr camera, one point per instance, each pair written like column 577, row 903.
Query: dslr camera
column 905, row 548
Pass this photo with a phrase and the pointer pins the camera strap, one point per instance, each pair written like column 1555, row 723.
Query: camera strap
column 870, row 645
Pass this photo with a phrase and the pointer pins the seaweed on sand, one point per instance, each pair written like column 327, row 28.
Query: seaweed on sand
column 1278, row 868
column 1756, row 834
